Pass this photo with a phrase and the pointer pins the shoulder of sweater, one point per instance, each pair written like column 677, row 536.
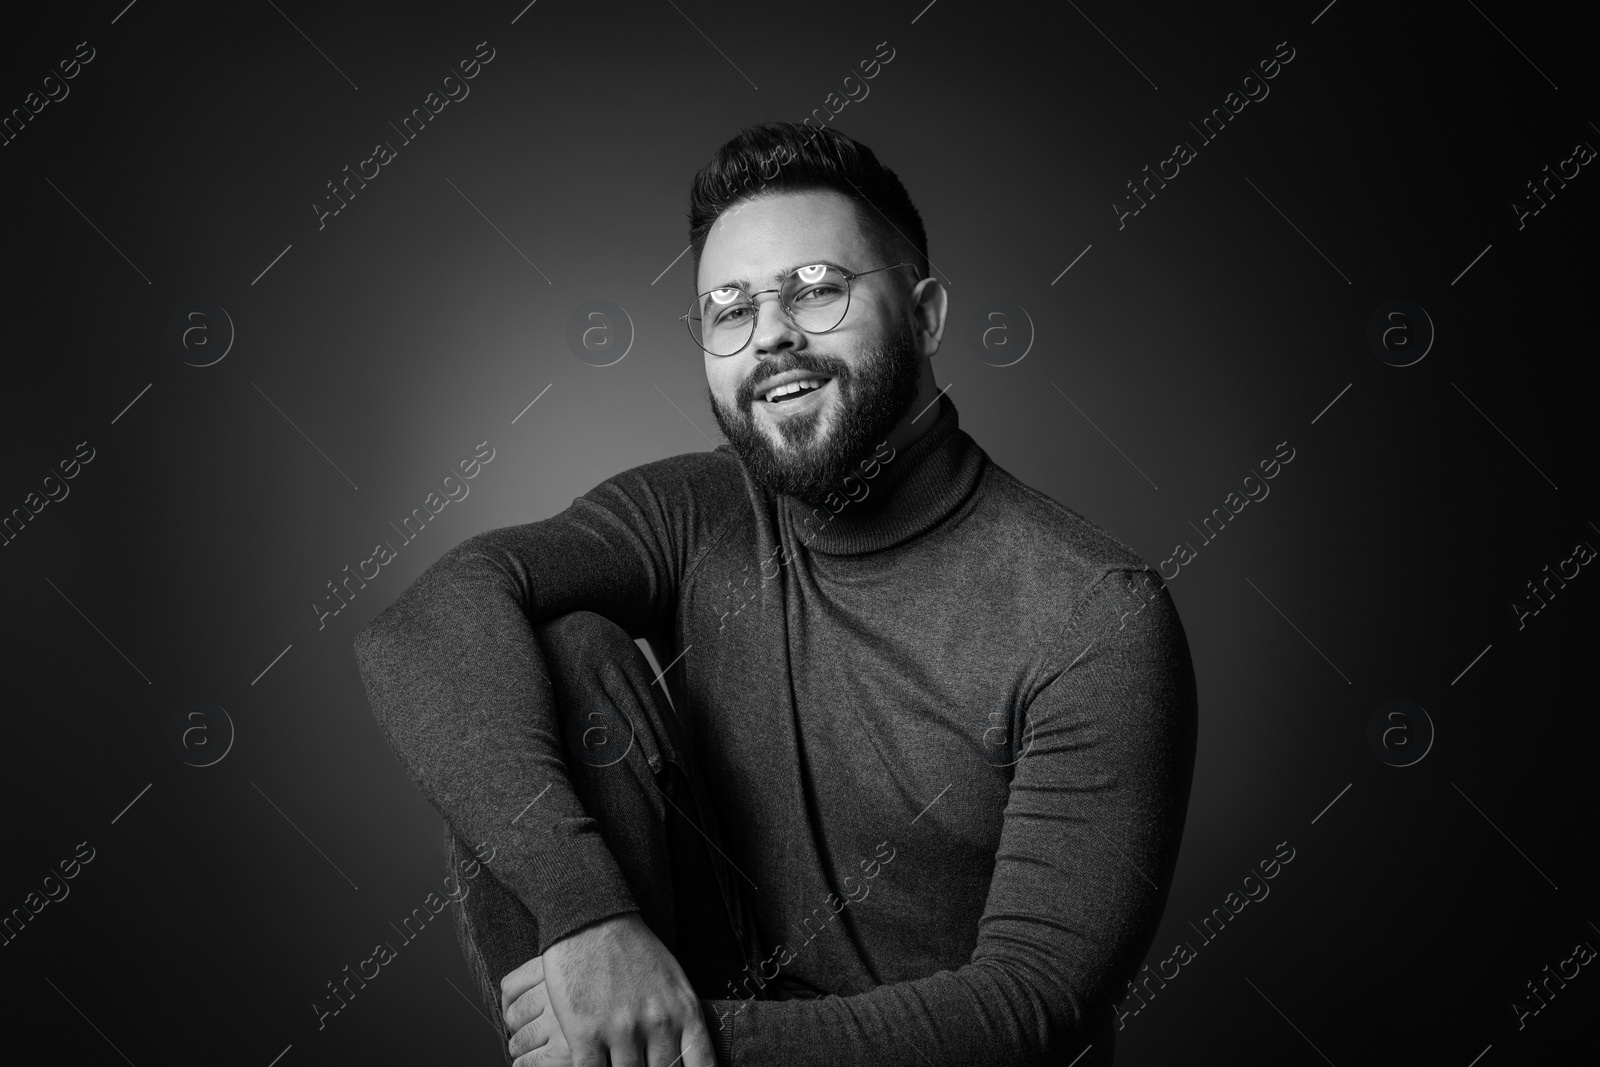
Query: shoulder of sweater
column 704, row 495
column 713, row 480
column 1032, row 524
column 717, row 465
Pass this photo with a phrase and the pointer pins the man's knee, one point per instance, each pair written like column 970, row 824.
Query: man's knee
column 585, row 636
column 604, row 691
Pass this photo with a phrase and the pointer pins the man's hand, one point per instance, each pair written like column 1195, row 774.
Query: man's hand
column 536, row 1037
column 613, row 990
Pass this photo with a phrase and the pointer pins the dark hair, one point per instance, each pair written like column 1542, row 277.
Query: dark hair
column 779, row 157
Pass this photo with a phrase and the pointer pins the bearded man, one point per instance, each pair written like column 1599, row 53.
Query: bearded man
column 912, row 784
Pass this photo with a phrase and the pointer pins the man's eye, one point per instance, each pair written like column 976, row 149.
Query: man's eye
column 733, row 315
column 817, row 294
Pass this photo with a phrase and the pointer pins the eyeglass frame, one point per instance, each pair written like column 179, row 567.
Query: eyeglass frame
column 849, row 279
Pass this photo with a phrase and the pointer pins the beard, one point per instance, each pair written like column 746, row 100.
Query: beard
column 873, row 396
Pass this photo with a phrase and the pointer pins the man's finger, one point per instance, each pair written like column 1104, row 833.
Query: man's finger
column 530, row 1037
column 588, row 1054
column 664, row 1049
column 696, row 1046
column 530, row 1007
column 519, row 982
column 626, row 1055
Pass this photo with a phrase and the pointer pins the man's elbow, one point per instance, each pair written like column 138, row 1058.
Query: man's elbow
column 387, row 641
column 369, row 643
column 377, row 659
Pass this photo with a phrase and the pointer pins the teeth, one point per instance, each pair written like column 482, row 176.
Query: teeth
column 794, row 387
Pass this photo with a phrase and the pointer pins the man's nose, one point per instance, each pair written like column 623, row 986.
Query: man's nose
column 774, row 332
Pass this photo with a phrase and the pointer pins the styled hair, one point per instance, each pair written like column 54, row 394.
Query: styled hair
column 785, row 157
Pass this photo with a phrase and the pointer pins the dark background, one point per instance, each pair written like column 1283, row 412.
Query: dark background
column 408, row 329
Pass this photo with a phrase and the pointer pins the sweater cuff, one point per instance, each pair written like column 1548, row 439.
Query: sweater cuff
column 571, row 881
column 720, row 1016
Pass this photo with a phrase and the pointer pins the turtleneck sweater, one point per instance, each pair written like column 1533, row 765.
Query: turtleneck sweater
column 947, row 725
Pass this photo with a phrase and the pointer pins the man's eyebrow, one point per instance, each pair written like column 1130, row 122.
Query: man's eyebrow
column 743, row 283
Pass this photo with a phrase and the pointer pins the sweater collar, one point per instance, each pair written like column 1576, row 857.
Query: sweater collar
column 913, row 492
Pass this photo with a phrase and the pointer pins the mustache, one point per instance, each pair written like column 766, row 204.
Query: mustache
column 824, row 366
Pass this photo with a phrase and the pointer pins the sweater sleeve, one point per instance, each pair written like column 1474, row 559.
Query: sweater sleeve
column 1088, row 845
column 459, row 686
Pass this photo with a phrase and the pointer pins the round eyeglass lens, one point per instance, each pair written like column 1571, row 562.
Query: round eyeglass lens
column 816, row 297
column 721, row 320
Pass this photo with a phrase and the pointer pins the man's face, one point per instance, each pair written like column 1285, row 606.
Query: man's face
column 804, row 445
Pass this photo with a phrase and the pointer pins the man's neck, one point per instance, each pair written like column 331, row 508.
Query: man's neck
column 919, row 417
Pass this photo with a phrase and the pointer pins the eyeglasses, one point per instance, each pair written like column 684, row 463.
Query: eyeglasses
column 815, row 299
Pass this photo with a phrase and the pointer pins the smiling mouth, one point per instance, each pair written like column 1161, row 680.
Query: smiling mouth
column 795, row 391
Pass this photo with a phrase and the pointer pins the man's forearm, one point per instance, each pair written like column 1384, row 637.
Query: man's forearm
column 976, row 1016
column 459, row 686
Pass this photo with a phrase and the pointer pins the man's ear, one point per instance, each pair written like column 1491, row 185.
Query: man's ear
column 929, row 304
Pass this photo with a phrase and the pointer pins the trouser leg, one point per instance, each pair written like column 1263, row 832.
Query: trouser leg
column 629, row 762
